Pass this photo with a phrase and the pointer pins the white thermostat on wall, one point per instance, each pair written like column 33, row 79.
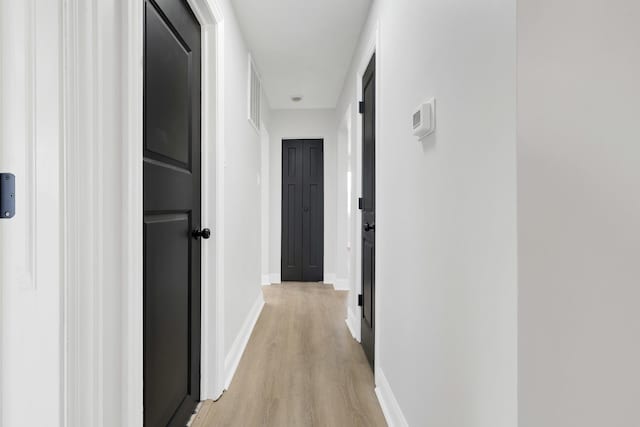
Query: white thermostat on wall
column 424, row 119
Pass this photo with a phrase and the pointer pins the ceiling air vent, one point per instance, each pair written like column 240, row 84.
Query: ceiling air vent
column 255, row 93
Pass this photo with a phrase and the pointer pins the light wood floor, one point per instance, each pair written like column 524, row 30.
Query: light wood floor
column 301, row 367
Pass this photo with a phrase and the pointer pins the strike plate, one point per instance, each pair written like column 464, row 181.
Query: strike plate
column 7, row 195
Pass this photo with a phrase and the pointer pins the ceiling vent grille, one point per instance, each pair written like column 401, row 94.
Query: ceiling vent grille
column 255, row 94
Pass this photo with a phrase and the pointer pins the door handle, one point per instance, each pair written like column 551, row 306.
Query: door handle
column 369, row 227
column 205, row 233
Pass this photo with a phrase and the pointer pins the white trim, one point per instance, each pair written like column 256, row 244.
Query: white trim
column 265, row 280
column 240, row 344
column 349, row 282
column 84, row 220
column 132, row 254
column 212, row 317
column 380, row 222
column 207, row 11
column 275, row 278
column 329, row 278
column 341, row 285
column 217, row 388
column 352, row 320
column 195, row 414
column 388, row 402
column 288, row 138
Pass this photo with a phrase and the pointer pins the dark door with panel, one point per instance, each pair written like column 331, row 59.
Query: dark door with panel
column 368, row 206
column 171, row 213
column 302, row 210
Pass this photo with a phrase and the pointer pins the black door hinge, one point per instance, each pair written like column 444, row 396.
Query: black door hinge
column 360, row 300
column 360, row 203
column 361, row 107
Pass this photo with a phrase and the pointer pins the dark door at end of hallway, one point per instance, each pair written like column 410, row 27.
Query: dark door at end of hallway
column 171, row 168
column 302, row 210
column 368, row 206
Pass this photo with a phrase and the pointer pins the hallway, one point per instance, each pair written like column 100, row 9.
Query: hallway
column 301, row 367
column 444, row 191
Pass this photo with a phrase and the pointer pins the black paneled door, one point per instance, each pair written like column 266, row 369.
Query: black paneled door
column 302, row 210
column 171, row 213
column 369, row 210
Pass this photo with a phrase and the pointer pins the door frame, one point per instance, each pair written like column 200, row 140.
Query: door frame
column 210, row 17
column 84, row 330
column 277, row 277
column 322, row 142
column 371, row 47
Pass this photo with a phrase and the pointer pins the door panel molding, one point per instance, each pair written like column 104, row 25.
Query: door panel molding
column 302, row 214
column 172, row 210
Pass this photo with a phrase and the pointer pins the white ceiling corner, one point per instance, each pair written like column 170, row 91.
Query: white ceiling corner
column 302, row 47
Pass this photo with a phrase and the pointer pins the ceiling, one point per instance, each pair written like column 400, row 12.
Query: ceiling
column 302, row 47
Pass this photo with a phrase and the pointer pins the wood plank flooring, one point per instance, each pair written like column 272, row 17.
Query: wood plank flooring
column 301, row 367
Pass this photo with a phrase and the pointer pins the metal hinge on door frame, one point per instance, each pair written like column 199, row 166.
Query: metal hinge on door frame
column 361, row 107
column 360, row 300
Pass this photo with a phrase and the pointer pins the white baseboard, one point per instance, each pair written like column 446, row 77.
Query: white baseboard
column 274, row 278
column 232, row 360
column 342, row 285
column 352, row 325
column 266, row 279
column 329, row 278
column 390, row 407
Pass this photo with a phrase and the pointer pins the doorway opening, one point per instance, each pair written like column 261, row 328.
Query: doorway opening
column 302, row 258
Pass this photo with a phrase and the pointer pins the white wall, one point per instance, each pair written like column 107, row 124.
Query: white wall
column 344, row 223
column 265, row 195
column 578, row 212
column 293, row 124
column 446, row 217
column 242, row 169
column 30, row 243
